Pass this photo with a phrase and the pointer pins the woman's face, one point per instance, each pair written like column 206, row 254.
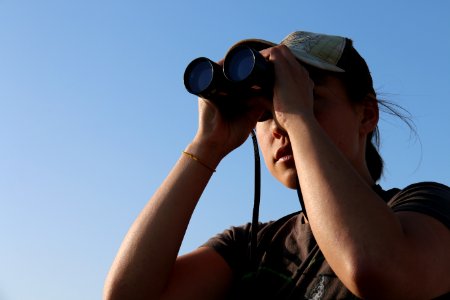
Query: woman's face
column 339, row 118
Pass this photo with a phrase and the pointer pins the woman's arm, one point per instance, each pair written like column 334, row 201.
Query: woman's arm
column 375, row 252
column 146, row 266
column 147, row 256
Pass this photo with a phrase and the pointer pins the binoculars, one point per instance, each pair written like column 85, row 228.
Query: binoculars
column 245, row 72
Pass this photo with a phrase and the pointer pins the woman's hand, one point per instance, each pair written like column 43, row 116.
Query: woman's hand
column 293, row 88
column 219, row 134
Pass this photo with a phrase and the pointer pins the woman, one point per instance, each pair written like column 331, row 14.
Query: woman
column 316, row 132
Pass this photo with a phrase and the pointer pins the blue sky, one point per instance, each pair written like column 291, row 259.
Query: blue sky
column 93, row 114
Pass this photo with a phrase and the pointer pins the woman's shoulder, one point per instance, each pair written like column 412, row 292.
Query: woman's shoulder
column 430, row 198
column 425, row 190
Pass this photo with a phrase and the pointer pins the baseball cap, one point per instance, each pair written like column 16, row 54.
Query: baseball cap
column 325, row 52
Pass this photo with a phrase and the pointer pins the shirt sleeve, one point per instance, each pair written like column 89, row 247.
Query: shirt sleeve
column 233, row 245
column 430, row 198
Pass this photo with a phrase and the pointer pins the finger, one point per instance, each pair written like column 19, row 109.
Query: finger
column 286, row 64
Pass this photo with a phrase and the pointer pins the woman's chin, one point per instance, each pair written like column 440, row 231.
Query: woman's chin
column 289, row 180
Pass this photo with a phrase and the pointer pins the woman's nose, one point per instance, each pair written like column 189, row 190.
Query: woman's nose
column 277, row 131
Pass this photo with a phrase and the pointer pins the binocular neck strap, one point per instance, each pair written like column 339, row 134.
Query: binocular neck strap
column 256, row 202
column 300, row 198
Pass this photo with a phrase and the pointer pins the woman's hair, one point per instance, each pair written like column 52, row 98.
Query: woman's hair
column 373, row 158
column 358, row 82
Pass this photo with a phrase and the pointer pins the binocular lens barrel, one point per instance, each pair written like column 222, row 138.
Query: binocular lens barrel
column 199, row 75
column 239, row 64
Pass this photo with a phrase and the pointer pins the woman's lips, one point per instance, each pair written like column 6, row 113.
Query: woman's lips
column 284, row 154
column 286, row 158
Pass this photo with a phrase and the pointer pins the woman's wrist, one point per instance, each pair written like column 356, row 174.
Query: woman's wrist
column 209, row 154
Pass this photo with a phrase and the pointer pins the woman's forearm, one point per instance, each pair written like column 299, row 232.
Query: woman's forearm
column 352, row 225
column 147, row 255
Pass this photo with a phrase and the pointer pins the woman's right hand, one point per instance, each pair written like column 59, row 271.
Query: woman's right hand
column 219, row 134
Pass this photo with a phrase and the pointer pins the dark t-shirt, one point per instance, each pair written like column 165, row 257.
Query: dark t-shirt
column 290, row 263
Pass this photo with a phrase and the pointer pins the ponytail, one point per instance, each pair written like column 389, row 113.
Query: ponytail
column 373, row 159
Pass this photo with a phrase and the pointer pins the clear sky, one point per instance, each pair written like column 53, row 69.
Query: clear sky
column 93, row 114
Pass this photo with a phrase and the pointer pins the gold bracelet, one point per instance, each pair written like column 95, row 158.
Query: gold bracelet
column 193, row 157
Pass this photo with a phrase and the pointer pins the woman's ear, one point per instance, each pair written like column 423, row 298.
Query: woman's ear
column 369, row 114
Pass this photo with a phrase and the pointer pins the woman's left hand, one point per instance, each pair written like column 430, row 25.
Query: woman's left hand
column 293, row 88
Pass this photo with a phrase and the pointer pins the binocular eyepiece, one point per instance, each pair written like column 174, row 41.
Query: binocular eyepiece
column 244, row 72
